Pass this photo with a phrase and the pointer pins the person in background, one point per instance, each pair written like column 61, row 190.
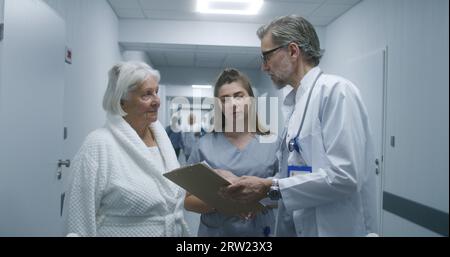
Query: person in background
column 117, row 186
column 191, row 137
column 327, row 174
column 239, row 152
column 175, row 137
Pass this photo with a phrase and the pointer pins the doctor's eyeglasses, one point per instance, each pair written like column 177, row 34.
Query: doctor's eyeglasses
column 265, row 56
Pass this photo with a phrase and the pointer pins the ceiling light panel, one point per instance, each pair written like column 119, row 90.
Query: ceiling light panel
column 238, row 7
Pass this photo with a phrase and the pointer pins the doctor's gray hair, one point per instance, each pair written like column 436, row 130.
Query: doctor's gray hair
column 123, row 78
column 292, row 28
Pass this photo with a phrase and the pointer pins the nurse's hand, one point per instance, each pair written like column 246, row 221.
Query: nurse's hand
column 247, row 189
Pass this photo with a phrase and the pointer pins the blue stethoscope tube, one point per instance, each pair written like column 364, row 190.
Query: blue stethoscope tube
column 293, row 145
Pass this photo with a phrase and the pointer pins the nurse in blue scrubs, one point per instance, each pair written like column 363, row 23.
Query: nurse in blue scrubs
column 243, row 153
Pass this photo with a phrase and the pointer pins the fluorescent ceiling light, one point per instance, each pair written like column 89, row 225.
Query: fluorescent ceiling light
column 241, row 7
column 202, row 86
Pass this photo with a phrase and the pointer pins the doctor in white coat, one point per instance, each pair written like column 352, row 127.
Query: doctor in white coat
column 326, row 185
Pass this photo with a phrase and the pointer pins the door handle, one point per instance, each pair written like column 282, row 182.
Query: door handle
column 61, row 163
column 377, row 169
column 64, row 163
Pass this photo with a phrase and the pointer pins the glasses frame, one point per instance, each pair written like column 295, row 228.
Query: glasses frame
column 265, row 56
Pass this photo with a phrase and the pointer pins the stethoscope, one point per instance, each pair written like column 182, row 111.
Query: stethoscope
column 293, row 145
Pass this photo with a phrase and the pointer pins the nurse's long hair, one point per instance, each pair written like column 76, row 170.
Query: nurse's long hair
column 228, row 76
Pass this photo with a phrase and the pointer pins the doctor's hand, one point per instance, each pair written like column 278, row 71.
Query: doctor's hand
column 247, row 189
column 227, row 175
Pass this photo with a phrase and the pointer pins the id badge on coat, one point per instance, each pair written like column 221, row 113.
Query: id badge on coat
column 297, row 165
column 298, row 170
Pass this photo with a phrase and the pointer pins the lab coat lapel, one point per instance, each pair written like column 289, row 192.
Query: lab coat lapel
column 301, row 97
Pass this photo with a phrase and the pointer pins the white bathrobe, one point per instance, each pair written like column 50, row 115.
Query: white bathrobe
column 117, row 188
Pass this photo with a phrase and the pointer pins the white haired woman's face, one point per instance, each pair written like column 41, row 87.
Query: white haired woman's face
column 143, row 102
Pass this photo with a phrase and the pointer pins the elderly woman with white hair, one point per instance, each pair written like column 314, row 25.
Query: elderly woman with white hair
column 117, row 186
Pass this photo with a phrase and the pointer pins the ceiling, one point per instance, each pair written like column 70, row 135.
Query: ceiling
column 318, row 12
column 198, row 55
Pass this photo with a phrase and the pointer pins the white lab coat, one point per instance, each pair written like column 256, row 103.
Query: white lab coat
column 338, row 197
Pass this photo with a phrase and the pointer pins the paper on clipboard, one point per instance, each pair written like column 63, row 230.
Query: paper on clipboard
column 203, row 182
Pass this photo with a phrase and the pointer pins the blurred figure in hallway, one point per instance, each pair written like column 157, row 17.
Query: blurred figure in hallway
column 191, row 136
column 174, row 133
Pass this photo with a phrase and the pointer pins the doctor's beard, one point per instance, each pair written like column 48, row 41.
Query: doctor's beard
column 280, row 77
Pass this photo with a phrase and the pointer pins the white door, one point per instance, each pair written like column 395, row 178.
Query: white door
column 31, row 117
column 367, row 72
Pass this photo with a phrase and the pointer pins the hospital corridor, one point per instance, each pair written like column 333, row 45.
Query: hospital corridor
column 224, row 118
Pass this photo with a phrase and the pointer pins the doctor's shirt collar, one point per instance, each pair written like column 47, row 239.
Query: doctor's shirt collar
column 307, row 82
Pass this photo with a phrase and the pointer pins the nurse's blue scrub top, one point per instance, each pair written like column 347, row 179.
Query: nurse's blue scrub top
column 256, row 159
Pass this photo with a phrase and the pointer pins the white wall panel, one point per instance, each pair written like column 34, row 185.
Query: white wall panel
column 416, row 34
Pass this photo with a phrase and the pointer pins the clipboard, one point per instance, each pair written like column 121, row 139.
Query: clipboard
column 203, row 182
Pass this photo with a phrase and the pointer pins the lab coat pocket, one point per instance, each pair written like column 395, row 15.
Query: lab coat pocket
column 298, row 221
column 305, row 222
